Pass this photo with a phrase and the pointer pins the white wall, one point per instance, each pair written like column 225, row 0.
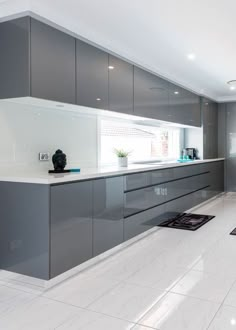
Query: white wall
column 26, row 130
column 194, row 139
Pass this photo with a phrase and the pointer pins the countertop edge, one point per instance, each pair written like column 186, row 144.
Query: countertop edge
column 101, row 173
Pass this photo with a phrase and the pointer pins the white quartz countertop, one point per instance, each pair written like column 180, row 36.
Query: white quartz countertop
column 90, row 173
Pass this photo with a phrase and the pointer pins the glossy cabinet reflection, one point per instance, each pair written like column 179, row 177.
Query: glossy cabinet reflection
column 52, row 63
column 91, row 76
column 150, row 95
column 71, row 226
column 108, row 210
column 184, row 106
column 121, row 85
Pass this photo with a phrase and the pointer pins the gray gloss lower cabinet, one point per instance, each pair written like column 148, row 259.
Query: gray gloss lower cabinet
column 91, row 76
column 121, row 86
column 142, row 199
column 141, row 222
column 71, row 226
column 108, row 210
column 24, row 234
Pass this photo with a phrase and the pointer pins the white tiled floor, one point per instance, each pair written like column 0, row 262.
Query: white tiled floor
column 168, row 280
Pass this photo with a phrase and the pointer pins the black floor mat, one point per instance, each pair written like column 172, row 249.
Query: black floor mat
column 187, row 221
column 233, row 232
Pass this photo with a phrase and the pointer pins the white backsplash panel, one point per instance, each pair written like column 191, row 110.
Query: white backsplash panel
column 26, row 130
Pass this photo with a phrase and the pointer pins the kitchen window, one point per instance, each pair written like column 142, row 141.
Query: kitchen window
column 146, row 143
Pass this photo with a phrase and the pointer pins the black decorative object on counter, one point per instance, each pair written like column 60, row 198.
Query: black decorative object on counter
column 59, row 162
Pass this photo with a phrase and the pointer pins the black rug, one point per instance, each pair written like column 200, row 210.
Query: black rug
column 233, row 232
column 187, row 221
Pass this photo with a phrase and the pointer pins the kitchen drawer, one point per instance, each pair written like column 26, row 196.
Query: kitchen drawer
column 177, row 206
column 139, row 223
column 137, row 180
column 184, row 171
column 199, row 181
column 142, row 199
column 161, row 176
column 178, row 188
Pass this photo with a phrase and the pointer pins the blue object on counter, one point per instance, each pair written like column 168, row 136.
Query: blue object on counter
column 184, row 160
column 75, row 170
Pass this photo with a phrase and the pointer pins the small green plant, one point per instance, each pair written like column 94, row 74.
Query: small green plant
column 121, row 153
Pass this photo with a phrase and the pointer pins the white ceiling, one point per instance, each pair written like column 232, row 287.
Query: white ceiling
column 156, row 34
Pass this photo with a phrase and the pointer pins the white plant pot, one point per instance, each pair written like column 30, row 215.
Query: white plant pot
column 123, row 161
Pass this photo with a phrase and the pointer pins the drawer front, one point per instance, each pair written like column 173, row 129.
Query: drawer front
column 200, row 181
column 188, row 170
column 137, row 180
column 178, row 188
column 141, row 222
column 161, row 176
column 140, row 200
column 177, row 206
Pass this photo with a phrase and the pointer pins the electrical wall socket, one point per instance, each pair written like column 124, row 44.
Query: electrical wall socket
column 44, row 156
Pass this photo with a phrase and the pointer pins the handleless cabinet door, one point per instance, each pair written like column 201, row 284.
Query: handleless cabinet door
column 14, row 58
column 91, row 76
column 107, row 214
column 71, row 225
column 52, row 63
column 210, row 129
column 150, row 95
column 121, row 85
column 185, row 106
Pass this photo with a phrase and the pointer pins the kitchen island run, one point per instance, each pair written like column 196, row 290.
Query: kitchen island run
column 53, row 223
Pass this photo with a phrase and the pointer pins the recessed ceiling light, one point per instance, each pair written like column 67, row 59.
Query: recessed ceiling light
column 232, row 84
column 98, row 99
column 191, row 56
column 233, row 322
column 111, row 67
column 176, row 92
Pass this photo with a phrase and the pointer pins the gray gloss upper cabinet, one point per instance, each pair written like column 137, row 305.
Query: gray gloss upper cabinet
column 91, row 76
column 52, row 63
column 71, row 226
column 150, row 95
column 108, row 209
column 210, row 128
column 14, row 58
column 184, row 106
column 121, row 85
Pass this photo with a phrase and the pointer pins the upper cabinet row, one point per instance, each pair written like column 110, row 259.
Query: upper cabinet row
column 40, row 61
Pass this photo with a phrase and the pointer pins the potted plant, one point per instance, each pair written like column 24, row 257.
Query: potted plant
column 122, row 157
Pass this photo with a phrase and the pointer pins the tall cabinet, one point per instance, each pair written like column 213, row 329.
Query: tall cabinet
column 210, row 128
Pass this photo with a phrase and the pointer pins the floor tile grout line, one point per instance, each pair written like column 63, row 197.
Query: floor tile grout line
column 221, row 305
column 89, row 310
